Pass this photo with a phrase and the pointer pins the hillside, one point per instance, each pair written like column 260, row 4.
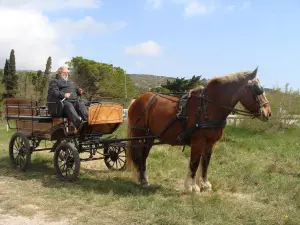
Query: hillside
column 146, row 81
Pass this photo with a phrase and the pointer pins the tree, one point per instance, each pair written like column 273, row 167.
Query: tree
column 10, row 78
column 12, row 63
column 2, row 91
column 44, row 81
column 101, row 79
column 25, row 86
column 11, row 87
column 180, row 85
column 5, row 73
column 48, row 66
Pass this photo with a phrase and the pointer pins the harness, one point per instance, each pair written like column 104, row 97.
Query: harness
column 182, row 115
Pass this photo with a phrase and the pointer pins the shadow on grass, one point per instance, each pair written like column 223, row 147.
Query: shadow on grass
column 96, row 181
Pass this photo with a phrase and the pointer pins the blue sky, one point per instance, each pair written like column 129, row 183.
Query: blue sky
column 181, row 37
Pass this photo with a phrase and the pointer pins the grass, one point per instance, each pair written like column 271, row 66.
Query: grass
column 255, row 179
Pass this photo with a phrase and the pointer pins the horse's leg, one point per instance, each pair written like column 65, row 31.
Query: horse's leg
column 190, row 182
column 204, row 163
column 139, row 151
column 143, row 179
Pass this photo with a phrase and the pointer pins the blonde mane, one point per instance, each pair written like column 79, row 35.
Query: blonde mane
column 234, row 77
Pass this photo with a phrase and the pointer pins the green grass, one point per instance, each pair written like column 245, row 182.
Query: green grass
column 255, row 179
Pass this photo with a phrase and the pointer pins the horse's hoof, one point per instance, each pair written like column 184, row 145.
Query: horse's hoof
column 188, row 189
column 144, row 183
column 196, row 188
column 206, row 186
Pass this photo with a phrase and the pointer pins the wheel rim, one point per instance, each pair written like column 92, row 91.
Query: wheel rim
column 66, row 162
column 115, row 157
column 19, row 152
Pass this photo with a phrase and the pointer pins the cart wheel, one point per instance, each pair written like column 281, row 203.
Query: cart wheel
column 19, row 151
column 55, row 145
column 66, row 162
column 115, row 158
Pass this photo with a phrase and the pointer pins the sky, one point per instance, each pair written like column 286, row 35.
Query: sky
column 174, row 38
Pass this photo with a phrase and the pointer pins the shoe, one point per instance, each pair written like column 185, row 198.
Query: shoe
column 82, row 123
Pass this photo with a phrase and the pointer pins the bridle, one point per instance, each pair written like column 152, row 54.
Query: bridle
column 257, row 90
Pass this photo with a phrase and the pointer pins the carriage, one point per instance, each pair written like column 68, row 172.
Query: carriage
column 34, row 124
column 197, row 119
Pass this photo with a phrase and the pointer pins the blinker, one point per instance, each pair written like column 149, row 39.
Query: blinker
column 258, row 89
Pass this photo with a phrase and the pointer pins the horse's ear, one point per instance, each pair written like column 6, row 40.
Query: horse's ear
column 253, row 74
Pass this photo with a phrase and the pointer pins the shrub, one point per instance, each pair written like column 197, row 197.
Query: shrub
column 285, row 106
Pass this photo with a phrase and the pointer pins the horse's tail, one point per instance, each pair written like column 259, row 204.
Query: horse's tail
column 130, row 151
column 129, row 162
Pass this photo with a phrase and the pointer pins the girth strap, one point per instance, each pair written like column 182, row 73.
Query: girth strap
column 209, row 124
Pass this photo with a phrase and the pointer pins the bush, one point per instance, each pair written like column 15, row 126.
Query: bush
column 285, row 106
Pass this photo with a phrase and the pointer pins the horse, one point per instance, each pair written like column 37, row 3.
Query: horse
column 199, row 123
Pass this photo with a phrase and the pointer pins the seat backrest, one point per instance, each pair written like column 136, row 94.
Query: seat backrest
column 55, row 108
column 20, row 107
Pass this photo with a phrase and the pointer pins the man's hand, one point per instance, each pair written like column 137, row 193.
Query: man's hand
column 80, row 91
column 67, row 95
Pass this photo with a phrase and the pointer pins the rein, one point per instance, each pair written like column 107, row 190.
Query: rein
column 257, row 91
column 201, row 108
column 237, row 111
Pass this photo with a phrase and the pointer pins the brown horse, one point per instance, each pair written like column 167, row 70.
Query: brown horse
column 201, row 126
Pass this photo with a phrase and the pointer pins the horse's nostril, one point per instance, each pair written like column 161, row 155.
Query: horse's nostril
column 270, row 114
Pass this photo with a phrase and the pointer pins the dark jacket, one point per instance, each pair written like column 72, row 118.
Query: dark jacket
column 58, row 87
column 56, row 92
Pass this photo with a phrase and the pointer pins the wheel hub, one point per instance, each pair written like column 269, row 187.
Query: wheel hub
column 114, row 156
column 22, row 150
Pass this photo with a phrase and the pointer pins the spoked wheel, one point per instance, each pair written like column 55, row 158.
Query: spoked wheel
column 19, row 151
column 66, row 162
column 115, row 156
column 55, row 145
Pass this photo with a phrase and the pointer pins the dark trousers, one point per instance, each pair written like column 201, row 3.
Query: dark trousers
column 75, row 110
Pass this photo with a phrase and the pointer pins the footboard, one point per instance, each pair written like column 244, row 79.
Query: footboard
column 105, row 118
column 104, row 113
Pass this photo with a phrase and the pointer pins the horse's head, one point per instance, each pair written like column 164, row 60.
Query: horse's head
column 254, row 99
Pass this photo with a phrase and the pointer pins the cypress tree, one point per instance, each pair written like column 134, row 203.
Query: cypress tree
column 5, row 73
column 45, row 81
column 12, row 78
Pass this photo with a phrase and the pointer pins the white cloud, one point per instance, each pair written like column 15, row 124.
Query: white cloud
column 194, row 7
column 148, row 48
column 155, row 4
column 87, row 26
column 34, row 37
column 50, row 4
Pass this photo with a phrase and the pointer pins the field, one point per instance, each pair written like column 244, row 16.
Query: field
column 255, row 179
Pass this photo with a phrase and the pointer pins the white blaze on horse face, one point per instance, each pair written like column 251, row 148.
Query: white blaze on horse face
column 266, row 109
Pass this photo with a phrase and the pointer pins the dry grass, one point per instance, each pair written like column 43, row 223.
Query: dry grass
column 255, row 178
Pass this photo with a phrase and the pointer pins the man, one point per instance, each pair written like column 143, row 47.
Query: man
column 62, row 90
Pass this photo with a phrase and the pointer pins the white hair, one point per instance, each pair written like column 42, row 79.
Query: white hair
column 60, row 69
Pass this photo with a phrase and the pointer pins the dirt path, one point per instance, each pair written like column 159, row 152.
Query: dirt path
column 6, row 219
column 38, row 219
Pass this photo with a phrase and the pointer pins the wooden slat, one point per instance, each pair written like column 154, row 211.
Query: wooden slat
column 20, row 111
column 23, row 125
column 20, row 107
column 104, row 113
column 20, row 102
